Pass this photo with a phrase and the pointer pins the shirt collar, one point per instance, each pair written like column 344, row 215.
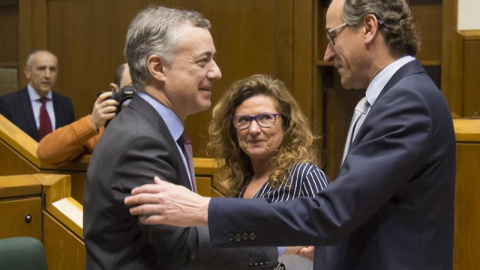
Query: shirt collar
column 174, row 124
column 34, row 95
column 381, row 79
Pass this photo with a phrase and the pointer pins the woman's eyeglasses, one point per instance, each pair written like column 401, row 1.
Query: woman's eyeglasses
column 264, row 120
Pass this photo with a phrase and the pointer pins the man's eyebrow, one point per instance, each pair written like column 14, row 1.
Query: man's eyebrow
column 209, row 54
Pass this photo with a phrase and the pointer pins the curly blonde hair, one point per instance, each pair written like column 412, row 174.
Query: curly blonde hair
column 235, row 167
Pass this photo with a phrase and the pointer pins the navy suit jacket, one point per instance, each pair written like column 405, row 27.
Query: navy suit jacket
column 392, row 205
column 135, row 147
column 17, row 108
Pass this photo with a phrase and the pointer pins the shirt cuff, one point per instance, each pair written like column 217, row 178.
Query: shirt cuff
column 281, row 251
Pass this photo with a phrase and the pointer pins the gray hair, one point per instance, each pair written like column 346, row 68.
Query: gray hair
column 154, row 31
column 32, row 55
column 398, row 28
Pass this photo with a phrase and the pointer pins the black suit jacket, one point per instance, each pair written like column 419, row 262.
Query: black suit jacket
column 17, row 108
column 392, row 205
column 135, row 147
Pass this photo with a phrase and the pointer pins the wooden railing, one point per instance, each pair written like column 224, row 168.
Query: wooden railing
column 42, row 201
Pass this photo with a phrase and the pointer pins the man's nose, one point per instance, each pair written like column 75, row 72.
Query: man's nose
column 329, row 53
column 214, row 73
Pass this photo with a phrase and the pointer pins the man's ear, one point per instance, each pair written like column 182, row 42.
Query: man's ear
column 156, row 67
column 113, row 87
column 371, row 25
column 26, row 70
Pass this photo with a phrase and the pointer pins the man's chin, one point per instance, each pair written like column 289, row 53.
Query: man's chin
column 43, row 91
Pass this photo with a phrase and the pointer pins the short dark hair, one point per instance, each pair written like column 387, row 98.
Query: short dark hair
column 118, row 75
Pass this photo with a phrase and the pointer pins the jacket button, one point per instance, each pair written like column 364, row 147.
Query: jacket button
column 253, row 236
column 238, row 237
column 230, row 237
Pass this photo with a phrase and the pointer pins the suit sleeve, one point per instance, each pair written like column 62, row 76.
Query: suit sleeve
column 68, row 142
column 176, row 248
column 385, row 158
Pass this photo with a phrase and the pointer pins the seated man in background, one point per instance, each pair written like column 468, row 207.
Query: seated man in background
column 67, row 143
column 36, row 109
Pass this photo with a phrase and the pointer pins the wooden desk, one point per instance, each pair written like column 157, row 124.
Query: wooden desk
column 467, row 195
column 40, row 206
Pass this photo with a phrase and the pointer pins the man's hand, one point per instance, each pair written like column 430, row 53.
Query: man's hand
column 103, row 110
column 166, row 203
column 306, row 252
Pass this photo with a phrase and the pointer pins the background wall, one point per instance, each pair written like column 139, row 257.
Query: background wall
column 251, row 36
column 468, row 14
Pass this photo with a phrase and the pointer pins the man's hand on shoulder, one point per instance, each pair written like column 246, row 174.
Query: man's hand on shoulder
column 166, row 203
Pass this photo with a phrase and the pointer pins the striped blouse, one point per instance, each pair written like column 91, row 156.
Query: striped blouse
column 304, row 180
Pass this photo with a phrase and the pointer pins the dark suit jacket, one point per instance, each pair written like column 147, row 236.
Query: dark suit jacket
column 135, row 147
column 392, row 205
column 17, row 108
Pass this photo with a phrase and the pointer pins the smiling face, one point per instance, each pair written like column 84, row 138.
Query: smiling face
column 260, row 144
column 348, row 54
column 189, row 79
column 42, row 72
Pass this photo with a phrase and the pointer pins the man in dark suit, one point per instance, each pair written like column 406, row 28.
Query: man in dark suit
column 171, row 58
column 24, row 107
column 392, row 205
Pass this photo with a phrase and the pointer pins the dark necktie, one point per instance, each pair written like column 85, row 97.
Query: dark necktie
column 357, row 121
column 45, row 123
column 186, row 146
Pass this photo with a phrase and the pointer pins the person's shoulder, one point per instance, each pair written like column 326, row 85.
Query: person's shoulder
column 15, row 94
column 305, row 166
column 59, row 96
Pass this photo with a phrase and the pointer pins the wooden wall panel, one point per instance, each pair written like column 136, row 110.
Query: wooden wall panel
column 8, row 34
column 88, row 37
column 429, row 20
column 450, row 55
column 471, row 72
column 467, row 207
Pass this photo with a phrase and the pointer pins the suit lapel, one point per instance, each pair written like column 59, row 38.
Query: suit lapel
column 27, row 111
column 146, row 110
column 413, row 67
column 410, row 68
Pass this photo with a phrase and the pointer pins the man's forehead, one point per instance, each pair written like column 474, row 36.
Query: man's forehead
column 45, row 60
column 334, row 13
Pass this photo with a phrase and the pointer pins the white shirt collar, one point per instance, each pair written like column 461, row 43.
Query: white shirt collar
column 34, row 96
column 174, row 124
column 381, row 79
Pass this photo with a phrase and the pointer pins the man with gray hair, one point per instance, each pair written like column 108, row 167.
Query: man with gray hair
column 392, row 205
column 36, row 109
column 171, row 56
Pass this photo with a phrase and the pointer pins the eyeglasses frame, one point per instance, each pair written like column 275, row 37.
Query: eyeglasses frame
column 332, row 41
column 256, row 120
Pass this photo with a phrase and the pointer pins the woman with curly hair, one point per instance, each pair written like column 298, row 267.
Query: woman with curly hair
column 263, row 143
